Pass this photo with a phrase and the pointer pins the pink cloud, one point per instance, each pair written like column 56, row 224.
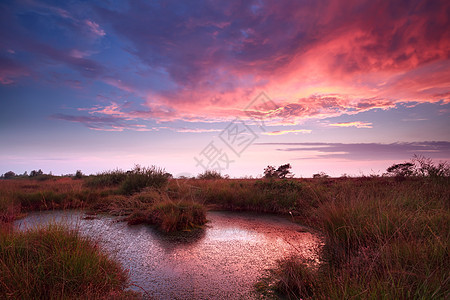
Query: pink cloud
column 80, row 54
column 281, row 132
column 317, row 60
column 196, row 130
column 94, row 28
column 356, row 124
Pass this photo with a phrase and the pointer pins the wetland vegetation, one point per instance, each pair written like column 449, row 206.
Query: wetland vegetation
column 384, row 236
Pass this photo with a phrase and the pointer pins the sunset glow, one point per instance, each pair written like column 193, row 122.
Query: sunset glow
column 340, row 87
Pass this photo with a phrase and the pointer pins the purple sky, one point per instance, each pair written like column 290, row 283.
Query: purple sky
column 341, row 87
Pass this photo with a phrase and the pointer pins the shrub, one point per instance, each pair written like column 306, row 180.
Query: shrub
column 426, row 167
column 9, row 175
column 141, row 177
column 78, row 174
column 283, row 171
column 321, row 175
column 210, row 175
column 420, row 166
column 401, row 170
column 107, row 179
column 35, row 173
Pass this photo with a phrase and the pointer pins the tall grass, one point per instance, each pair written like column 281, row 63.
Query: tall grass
column 142, row 177
column 291, row 279
column 22, row 195
column 55, row 263
column 155, row 208
column 132, row 181
column 106, row 178
column 174, row 216
column 277, row 196
column 383, row 239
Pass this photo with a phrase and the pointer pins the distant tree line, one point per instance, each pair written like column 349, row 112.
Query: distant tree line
column 419, row 166
column 33, row 173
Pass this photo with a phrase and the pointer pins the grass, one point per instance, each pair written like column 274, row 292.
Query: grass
column 154, row 207
column 274, row 196
column 384, row 237
column 55, row 263
column 131, row 181
column 291, row 279
column 140, row 178
column 170, row 216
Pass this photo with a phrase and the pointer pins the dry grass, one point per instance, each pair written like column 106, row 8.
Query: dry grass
column 384, row 238
column 55, row 263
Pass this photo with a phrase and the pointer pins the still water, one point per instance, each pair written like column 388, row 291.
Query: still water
column 222, row 261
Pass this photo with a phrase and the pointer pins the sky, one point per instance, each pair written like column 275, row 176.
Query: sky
column 341, row 87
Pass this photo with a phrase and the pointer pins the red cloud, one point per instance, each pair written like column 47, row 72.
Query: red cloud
column 315, row 59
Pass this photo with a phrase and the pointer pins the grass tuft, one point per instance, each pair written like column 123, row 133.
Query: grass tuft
column 55, row 263
column 142, row 177
column 174, row 216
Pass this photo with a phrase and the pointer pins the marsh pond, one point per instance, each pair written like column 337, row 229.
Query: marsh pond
column 223, row 260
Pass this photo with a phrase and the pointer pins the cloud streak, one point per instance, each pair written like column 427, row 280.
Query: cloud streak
column 356, row 124
column 281, row 132
column 101, row 123
column 365, row 151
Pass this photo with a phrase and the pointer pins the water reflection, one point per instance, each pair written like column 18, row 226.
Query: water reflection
column 223, row 260
column 179, row 239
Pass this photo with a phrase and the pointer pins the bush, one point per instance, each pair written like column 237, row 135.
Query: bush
column 35, row 173
column 427, row 168
column 210, row 175
column 283, row 171
column 9, row 175
column 142, row 177
column 107, row 178
column 321, row 175
column 401, row 170
column 78, row 174
column 420, row 166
